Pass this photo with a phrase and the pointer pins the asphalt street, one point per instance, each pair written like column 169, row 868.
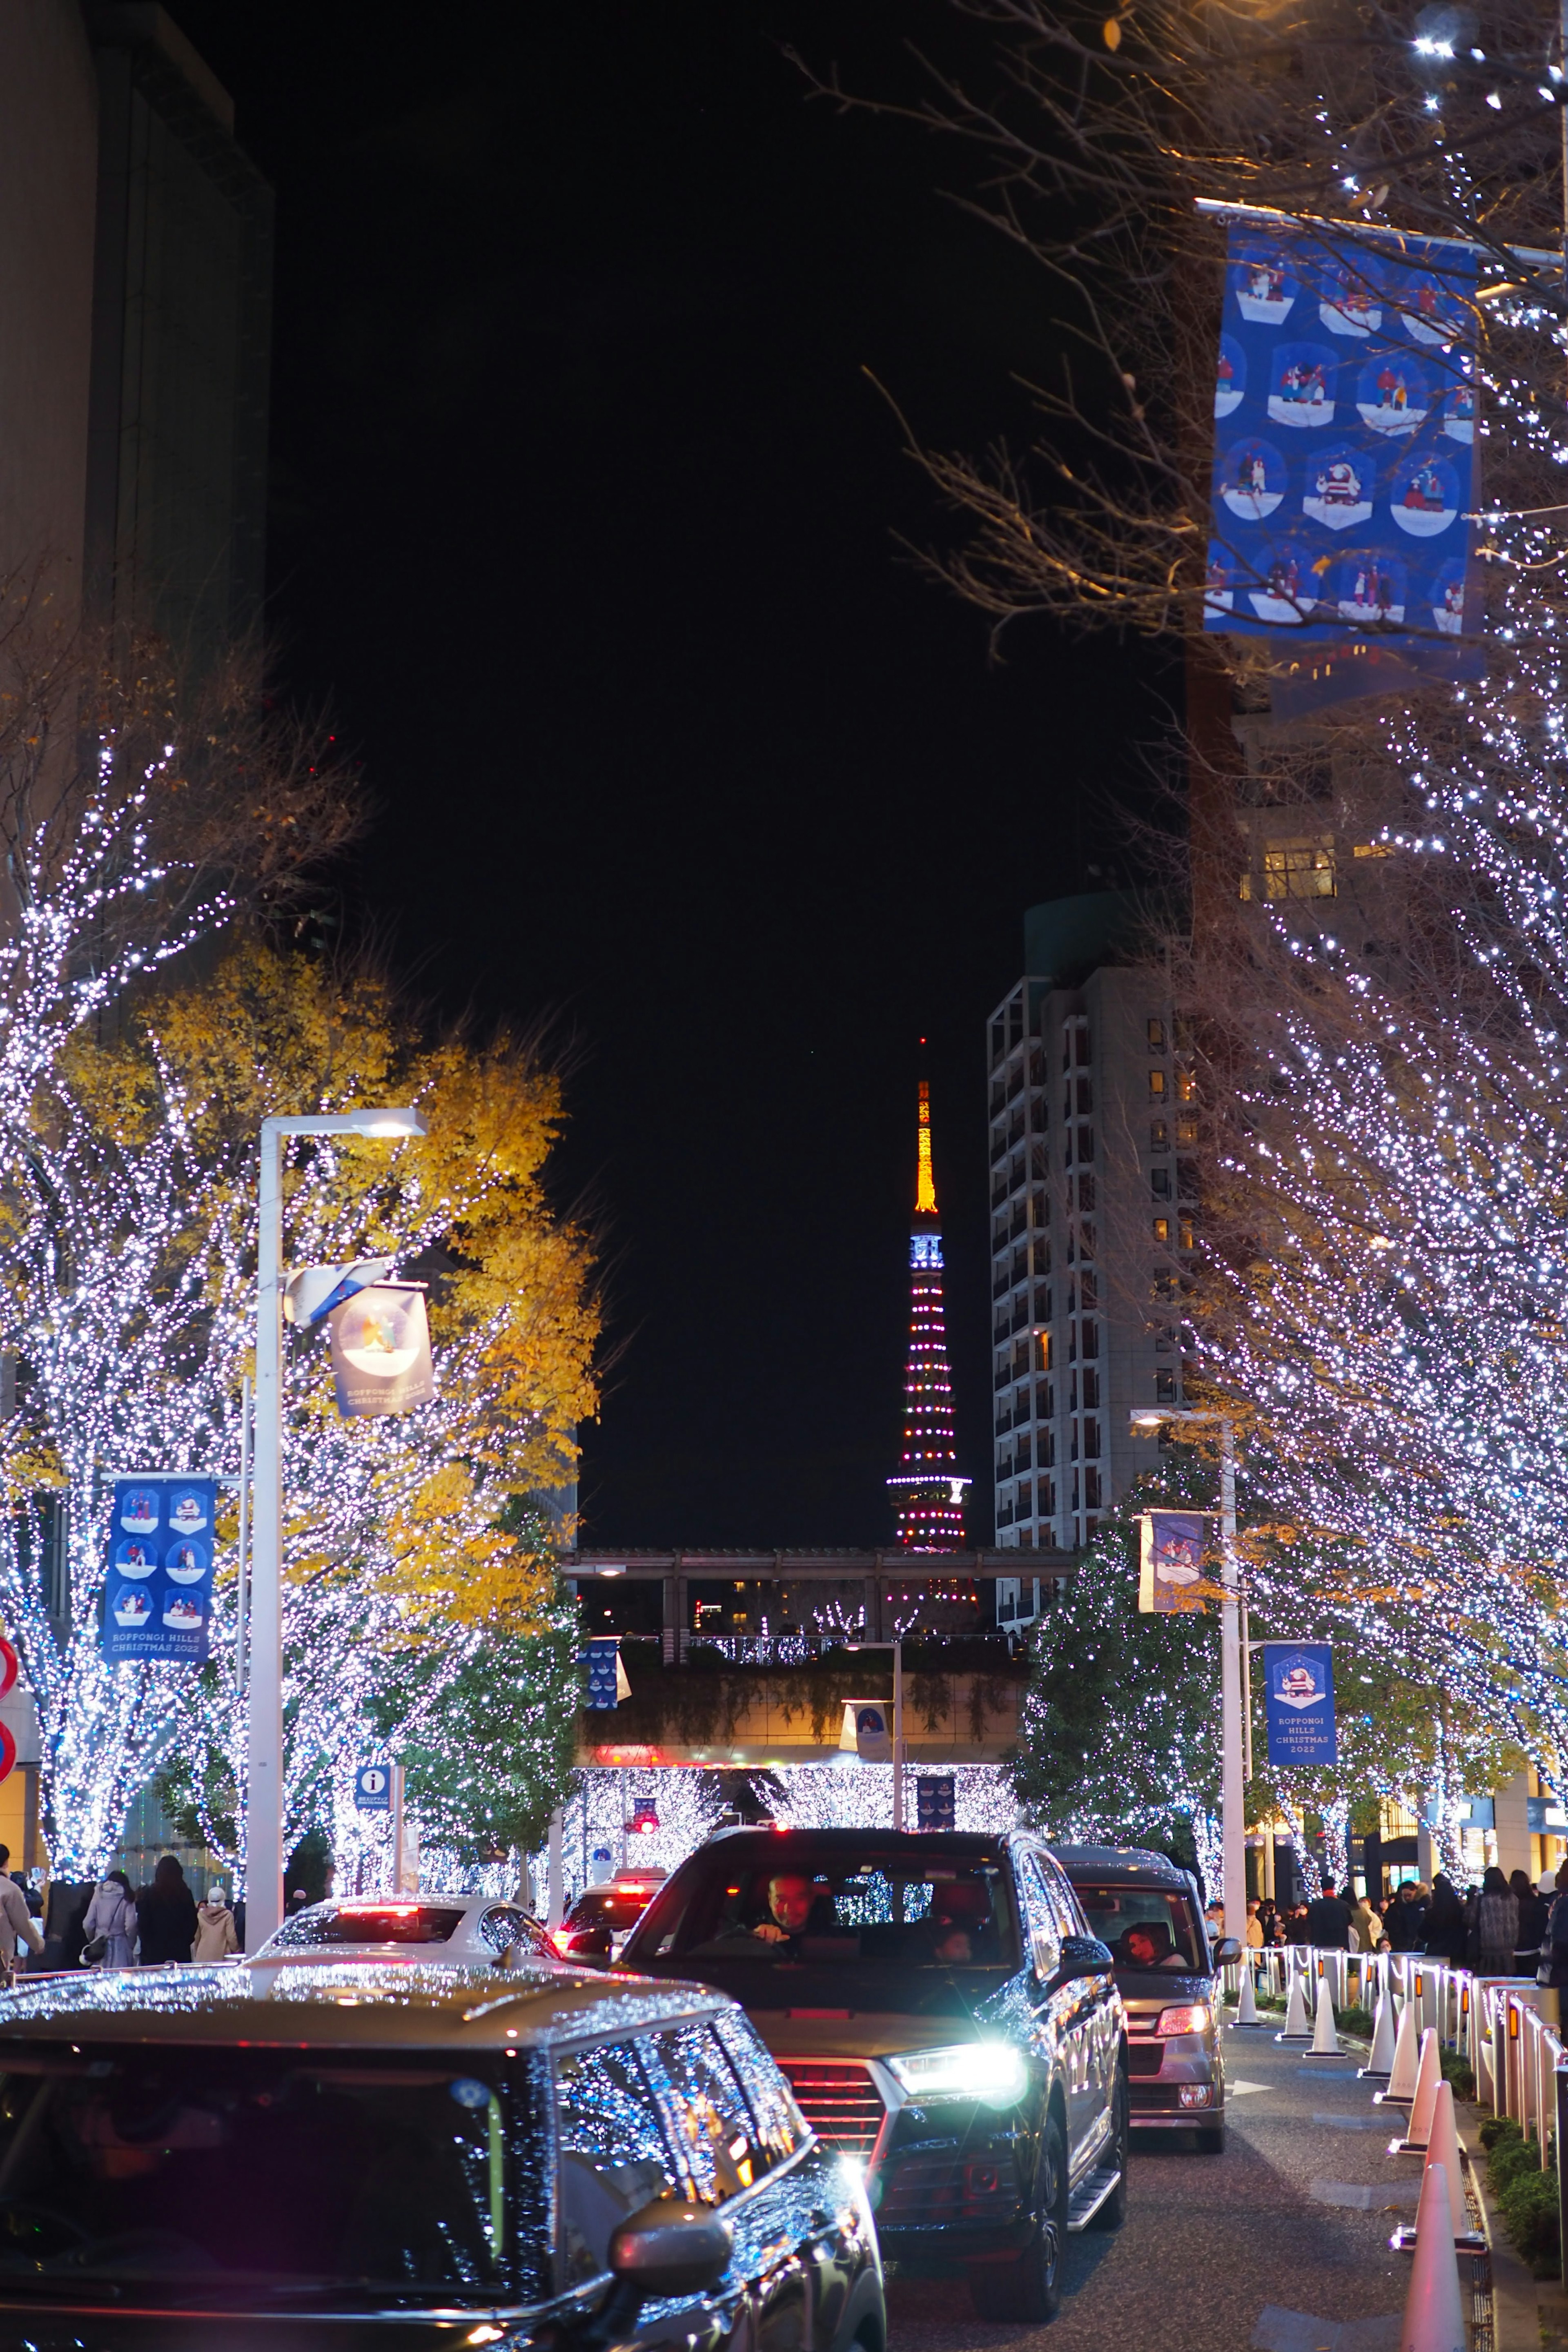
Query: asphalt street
column 1281, row 2244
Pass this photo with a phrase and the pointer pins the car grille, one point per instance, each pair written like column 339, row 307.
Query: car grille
column 839, row 2101
column 1145, row 2057
column 931, row 2191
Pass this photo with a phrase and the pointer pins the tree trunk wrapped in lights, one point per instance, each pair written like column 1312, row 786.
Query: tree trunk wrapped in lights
column 128, row 1177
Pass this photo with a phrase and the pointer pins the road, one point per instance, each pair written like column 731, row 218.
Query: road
column 1281, row 2244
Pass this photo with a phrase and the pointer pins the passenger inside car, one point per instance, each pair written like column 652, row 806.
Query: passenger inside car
column 1149, row 1947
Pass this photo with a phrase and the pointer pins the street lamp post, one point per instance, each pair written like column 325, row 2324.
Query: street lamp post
column 264, row 1779
column 1233, row 1798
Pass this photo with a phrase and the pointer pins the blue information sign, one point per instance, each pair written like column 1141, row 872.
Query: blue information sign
column 1299, row 1679
column 157, row 1599
column 373, row 1789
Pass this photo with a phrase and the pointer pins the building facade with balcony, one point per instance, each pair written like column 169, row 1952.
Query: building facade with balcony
column 1092, row 1208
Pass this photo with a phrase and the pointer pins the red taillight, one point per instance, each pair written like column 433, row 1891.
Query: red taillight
column 562, row 1938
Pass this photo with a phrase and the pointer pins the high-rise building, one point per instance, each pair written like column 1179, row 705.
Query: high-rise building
column 1092, row 1211
column 927, row 1489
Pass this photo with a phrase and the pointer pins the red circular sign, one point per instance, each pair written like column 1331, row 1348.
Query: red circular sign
column 9, row 1670
column 8, row 1754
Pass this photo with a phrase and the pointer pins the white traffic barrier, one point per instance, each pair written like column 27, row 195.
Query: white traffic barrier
column 1379, row 2067
column 1247, row 2003
column 1401, row 2088
column 1428, row 2074
column 1433, row 2315
column 1297, row 2029
column 1325, row 2041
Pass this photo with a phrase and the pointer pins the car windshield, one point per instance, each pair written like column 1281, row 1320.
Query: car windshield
column 803, row 1904
column 370, row 1923
column 211, row 2170
column 1145, row 1927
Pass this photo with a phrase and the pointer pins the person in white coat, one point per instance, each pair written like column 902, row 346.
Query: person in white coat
column 17, row 1924
column 111, row 1914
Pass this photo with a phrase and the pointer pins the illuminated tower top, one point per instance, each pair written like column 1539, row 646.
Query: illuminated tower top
column 927, row 1489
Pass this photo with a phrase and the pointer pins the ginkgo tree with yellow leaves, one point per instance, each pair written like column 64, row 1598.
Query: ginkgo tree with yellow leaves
column 127, row 1291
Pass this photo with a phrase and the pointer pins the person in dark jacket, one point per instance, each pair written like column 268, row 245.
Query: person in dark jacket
column 166, row 1916
column 1531, row 1933
column 1329, row 1922
column 1494, row 1931
column 1445, row 1922
column 1404, row 1921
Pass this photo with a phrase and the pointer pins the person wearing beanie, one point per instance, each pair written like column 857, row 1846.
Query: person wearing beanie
column 215, row 1936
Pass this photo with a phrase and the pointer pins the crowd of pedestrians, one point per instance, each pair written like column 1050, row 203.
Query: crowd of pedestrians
column 1504, row 1926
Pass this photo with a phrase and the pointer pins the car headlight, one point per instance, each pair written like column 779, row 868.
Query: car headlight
column 1193, row 2018
column 992, row 2072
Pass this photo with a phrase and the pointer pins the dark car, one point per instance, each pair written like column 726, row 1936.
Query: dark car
column 1150, row 1914
column 944, row 2014
column 413, row 2156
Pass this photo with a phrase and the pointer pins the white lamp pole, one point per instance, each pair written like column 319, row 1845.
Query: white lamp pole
column 264, row 1777
column 1233, row 1797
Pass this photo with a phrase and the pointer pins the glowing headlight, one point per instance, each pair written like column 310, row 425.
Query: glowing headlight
column 1192, row 2020
column 994, row 2072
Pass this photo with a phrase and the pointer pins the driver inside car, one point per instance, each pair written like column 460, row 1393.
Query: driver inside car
column 1148, row 1946
column 791, row 1901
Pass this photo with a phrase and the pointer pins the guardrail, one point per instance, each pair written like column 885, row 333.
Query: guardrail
column 1519, row 2058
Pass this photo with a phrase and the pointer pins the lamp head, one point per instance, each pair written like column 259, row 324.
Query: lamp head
column 406, row 1121
column 1146, row 1421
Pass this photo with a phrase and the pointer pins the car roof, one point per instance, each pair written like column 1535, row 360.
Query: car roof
column 968, row 1844
column 419, row 2005
column 1131, row 1864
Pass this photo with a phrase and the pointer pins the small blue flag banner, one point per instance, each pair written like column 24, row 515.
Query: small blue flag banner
column 607, row 1680
column 936, row 1802
column 1170, row 1562
column 1345, row 414
column 157, row 1596
column 1299, row 1685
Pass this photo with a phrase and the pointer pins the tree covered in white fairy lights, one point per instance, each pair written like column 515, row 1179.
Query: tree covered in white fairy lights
column 129, row 1119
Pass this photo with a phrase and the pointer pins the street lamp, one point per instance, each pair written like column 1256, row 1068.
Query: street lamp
column 1233, row 1824
column 263, row 1782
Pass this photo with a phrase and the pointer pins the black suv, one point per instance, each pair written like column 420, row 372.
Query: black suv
column 943, row 2013
column 407, row 2157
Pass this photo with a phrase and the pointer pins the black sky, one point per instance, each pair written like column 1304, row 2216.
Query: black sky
column 584, row 515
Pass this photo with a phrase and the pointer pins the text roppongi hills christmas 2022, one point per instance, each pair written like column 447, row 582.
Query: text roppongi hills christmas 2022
column 1345, row 409
column 158, row 1590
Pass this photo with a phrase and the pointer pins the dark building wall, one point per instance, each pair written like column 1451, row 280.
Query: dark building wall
column 177, row 454
column 49, row 137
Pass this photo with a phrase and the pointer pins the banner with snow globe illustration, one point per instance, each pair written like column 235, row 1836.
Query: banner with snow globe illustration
column 157, row 1599
column 1345, row 405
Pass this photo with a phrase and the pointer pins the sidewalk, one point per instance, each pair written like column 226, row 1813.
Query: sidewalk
column 1281, row 2245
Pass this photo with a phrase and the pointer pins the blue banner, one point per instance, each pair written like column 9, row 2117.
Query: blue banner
column 1298, row 1681
column 157, row 1598
column 607, row 1684
column 1345, row 407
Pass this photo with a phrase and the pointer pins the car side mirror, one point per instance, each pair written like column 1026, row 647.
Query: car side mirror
column 1084, row 1956
column 1227, row 1950
column 671, row 2249
column 667, row 2249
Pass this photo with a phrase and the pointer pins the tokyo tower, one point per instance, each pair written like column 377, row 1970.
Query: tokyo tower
column 927, row 1490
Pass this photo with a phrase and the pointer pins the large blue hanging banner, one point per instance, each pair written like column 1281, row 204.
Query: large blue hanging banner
column 1345, row 402
column 1299, row 1684
column 157, row 1600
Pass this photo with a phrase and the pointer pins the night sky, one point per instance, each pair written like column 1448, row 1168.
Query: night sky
column 586, row 519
